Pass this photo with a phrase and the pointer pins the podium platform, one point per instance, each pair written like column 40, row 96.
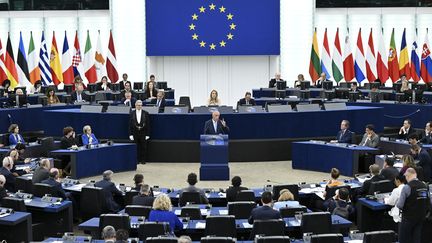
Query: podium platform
column 214, row 157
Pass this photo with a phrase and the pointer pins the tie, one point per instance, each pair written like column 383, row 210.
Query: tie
column 215, row 127
column 128, row 103
column 342, row 133
column 79, row 97
column 247, row 102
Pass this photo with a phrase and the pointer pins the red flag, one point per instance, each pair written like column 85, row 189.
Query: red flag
column 382, row 55
column 348, row 61
column 393, row 64
column 111, row 65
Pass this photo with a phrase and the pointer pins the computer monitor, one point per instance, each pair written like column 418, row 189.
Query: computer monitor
column 293, row 188
column 275, row 108
column 43, row 100
column 342, row 93
column 251, row 109
column 335, row 106
column 162, row 85
column 281, row 85
column 115, row 87
column 308, row 107
column 417, row 86
column 304, row 94
column 92, row 88
column 327, row 85
column 345, row 85
column 139, row 95
column 400, row 97
column 379, row 236
column 327, row 238
column 305, row 85
column 353, row 96
column 329, row 94
column 138, row 85
column 176, row 109
column 47, row 145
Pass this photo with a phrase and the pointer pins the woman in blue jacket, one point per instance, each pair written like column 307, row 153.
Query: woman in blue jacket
column 162, row 212
column 15, row 137
column 88, row 137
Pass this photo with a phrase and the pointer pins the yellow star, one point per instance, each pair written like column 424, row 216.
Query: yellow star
column 232, row 26
column 230, row 16
column 222, row 9
column 230, row 36
column 212, row 46
column 222, row 43
column 192, row 27
column 212, row 6
column 202, row 9
column 194, row 17
column 194, row 36
column 202, row 44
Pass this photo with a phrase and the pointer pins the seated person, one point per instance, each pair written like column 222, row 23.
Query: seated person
column 128, row 100
column 232, row 191
column 109, row 234
column 19, row 99
column 272, row 82
column 110, row 190
column 216, row 126
column 406, row 130
column 35, row 88
column 122, row 236
column 344, row 135
column 68, row 140
column 192, row 181
column 300, row 78
column 389, row 172
column 320, row 80
column 247, row 100
column 123, row 82
column 103, row 85
column 143, row 198
column 394, row 198
column 370, row 138
column 138, row 181
column 214, row 99
column 88, row 137
column 286, row 200
column 15, row 157
column 42, row 172
column 150, row 91
column 354, row 88
column 3, row 192
column 160, row 100
column 162, row 212
column 266, row 211
column 374, row 171
column 426, row 135
column 52, row 97
column 334, row 182
column 413, row 139
column 127, row 87
column 54, row 181
column 15, row 137
column 424, row 160
column 407, row 162
column 78, row 95
column 5, row 170
column 340, row 204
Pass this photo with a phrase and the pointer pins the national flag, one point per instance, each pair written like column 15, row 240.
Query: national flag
column 314, row 65
column 371, row 71
column 89, row 63
column 382, row 56
column 325, row 57
column 393, row 66
column 77, row 64
column 11, row 70
column 348, row 61
column 22, row 67
column 32, row 61
column 415, row 61
column 44, row 62
column 99, row 60
column 404, row 65
column 55, row 64
column 68, row 73
column 360, row 63
column 111, row 64
column 3, row 75
column 337, row 66
column 426, row 61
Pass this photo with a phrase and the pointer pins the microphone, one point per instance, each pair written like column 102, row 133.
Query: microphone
column 274, row 182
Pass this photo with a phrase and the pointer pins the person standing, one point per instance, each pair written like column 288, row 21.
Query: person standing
column 139, row 130
column 215, row 125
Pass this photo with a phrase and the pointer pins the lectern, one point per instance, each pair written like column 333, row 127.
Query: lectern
column 214, row 157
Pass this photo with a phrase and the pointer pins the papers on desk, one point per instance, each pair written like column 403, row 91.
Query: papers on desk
column 319, row 191
column 4, row 215
column 223, row 211
column 363, row 179
column 156, row 193
column 177, row 212
column 246, row 225
column 27, row 200
column 200, row 225
column 76, row 187
column 204, row 212
column 222, row 194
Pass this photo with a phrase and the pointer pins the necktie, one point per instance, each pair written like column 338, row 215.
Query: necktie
column 342, row 133
column 247, row 102
column 128, row 103
column 158, row 103
column 17, row 100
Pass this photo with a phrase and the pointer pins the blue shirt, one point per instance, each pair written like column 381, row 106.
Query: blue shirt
column 166, row 216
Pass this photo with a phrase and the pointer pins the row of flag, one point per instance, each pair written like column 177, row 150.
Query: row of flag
column 50, row 69
column 381, row 64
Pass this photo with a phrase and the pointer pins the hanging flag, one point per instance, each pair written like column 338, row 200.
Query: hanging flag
column 337, row 66
column 44, row 67
column 11, row 70
column 22, row 67
column 360, row 63
column 426, row 61
column 404, row 65
column 77, row 64
column 393, row 66
column 55, row 65
column 371, row 71
column 111, row 64
column 314, row 65
column 415, row 61
column 382, row 68
column 89, row 64
column 348, row 61
column 3, row 75
column 68, row 73
column 325, row 57
column 32, row 62
column 100, row 60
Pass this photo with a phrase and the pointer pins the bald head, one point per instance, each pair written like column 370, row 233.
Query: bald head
column 215, row 115
column 410, row 174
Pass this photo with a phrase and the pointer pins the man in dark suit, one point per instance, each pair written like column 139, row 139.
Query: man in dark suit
column 266, row 211
column 426, row 135
column 128, row 100
column 5, row 170
column 78, row 95
column 19, row 99
column 53, row 181
column 272, row 82
column 123, row 82
column 320, row 80
column 232, row 191
column 389, row 172
column 374, row 171
column 139, row 130
column 192, row 180
column 144, row 198
column 370, row 138
column 406, row 130
column 160, row 101
column 247, row 100
column 424, row 159
column 110, row 190
column 42, row 172
column 344, row 135
column 216, row 126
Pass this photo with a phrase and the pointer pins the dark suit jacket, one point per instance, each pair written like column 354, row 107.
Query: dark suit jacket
column 99, row 86
column 141, row 129
column 10, row 179
column 147, row 93
column 425, row 139
column 143, row 200
column 263, row 213
column 209, row 128
column 231, row 192
column 59, row 192
column 425, row 162
column 243, row 102
column 84, row 96
column 122, row 84
column 366, row 185
column 162, row 104
column 66, row 143
column 406, row 136
column 190, row 188
column 272, row 82
column 22, row 100
column 389, row 173
column 132, row 100
column 40, row 174
column 110, row 190
column 345, row 138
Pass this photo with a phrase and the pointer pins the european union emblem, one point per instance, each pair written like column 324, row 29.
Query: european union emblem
column 212, row 27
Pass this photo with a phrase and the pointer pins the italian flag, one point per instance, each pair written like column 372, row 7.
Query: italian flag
column 89, row 61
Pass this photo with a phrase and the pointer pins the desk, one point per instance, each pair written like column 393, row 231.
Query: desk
column 323, row 157
column 16, row 227
column 370, row 215
column 398, row 147
column 31, row 151
column 270, row 92
column 94, row 161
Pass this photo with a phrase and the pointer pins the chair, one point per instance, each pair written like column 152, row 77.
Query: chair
column 222, row 226
column 245, row 196
column 152, row 229
column 117, row 221
column 381, row 187
column 129, row 196
column 331, row 191
column 273, row 227
column 138, row 210
column 379, row 236
column 92, row 88
column 316, row 223
column 41, row 189
column 240, row 210
column 17, row 204
column 291, row 212
column 24, row 184
column 293, row 188
column 189, row 197
column 191, row 212
column 92, row 202
column 161, row 239
column 328, row 238
column 185, row 100
column 217, row 239
column 272, row 239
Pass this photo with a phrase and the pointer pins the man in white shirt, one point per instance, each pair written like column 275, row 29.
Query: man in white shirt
column 139, row 130
column 394, row 197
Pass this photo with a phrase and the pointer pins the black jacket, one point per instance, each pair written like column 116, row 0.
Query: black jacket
column 110, row 190
column 139, row 129
column 143, row 200
column 40, row 174
column 10, row 179
column 231, row 193
column 59, row 192
column 263, row 213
